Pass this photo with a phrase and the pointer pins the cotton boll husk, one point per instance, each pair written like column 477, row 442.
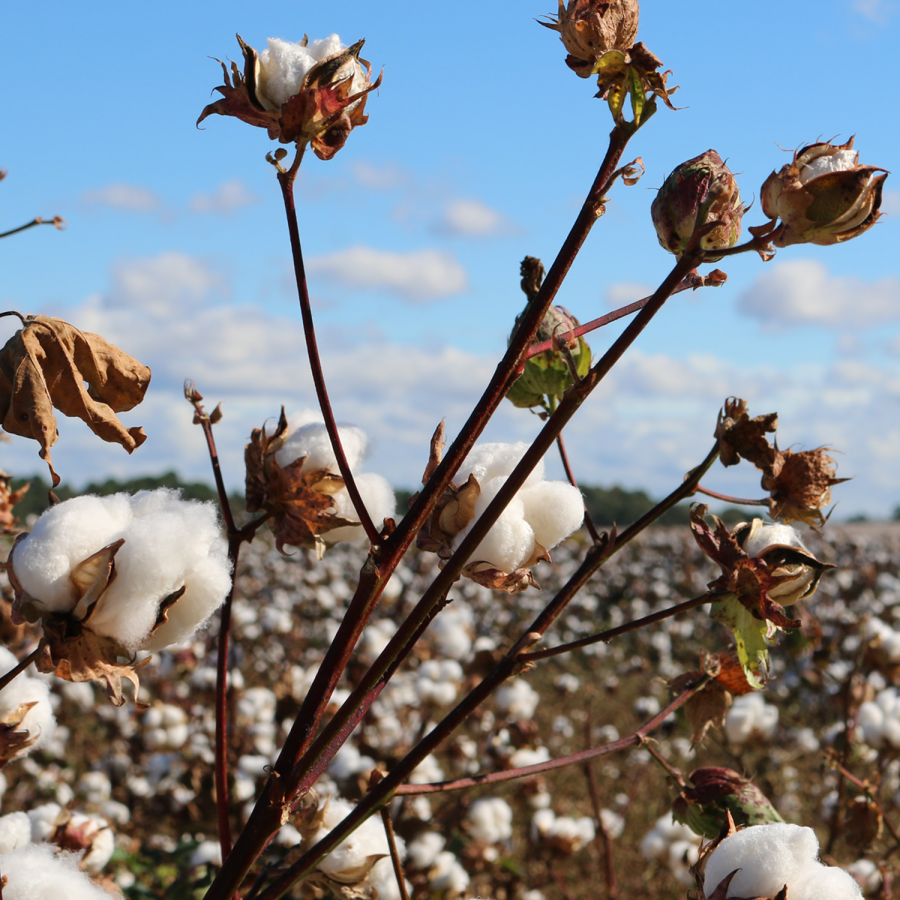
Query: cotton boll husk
column 39, row 721
column 493, row 460
column 15, row 830
column 170, row 543
column 769, row 856
column 554, row 510
column 312, row 441
column 61, row 538
column 102, row 845
column 37, row 872
column 378, row 499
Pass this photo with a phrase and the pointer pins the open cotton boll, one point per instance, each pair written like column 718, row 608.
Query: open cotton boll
column 15, row 831
column 510, row 541
column 489, row 819
column 424, row 849
column 378, row 498
column 494, row 460
column 38, row 872
column 774, row 855
column 39, row 722
column 312, row 441
column 284, row 64
column 554, row 510
column 170, row 543
column 749, row 718
column 61, row 538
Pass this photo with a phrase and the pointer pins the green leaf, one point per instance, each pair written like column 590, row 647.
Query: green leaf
column 616, row 99
column 638, row 98
column 750, row 634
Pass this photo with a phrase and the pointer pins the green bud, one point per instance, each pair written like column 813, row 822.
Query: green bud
column 547, row 375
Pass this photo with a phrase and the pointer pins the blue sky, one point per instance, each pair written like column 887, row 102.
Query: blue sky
column 478, row 151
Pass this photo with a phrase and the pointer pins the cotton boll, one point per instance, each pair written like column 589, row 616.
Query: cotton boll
column 424, row 849
column 447, row 873
column 554, row 510
column 517, row 698
column 750, row 718
column 510, row 541
column 36, row 872
column 770, row 856
column 39, row 722
column 489, row 819
column 44, row 820
column 492, row 460
column 613, row 823
column 867, row 874
column 377, row 497
column 15, row 830
column 61, row 538
column 206, row 853
column 312, row 441
column 284, row 64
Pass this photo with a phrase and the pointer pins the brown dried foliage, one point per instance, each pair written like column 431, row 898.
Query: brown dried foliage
column 50, row 363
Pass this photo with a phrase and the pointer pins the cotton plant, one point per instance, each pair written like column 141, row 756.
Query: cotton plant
column 109, row 577
column 294, row 477
column 540, row 515
column 879, row 720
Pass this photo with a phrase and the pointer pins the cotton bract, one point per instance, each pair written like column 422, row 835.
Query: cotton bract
column 27, row 722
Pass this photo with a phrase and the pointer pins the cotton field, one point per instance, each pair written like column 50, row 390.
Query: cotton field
column 131, row 788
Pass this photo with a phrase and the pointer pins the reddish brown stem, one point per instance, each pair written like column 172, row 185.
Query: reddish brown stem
column 286, row 180
column 588, row 521
column 739, row 501
column 873, row 798
column 603, row 836
column 395, row 856
column 621, row 629
column 22, row 666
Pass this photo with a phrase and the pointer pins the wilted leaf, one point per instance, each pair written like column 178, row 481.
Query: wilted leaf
column 13, row 739
column 750, row 635
column 48, row 364
column 8, row 499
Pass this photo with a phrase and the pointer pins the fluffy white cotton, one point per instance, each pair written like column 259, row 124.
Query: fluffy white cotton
column 866, row 873
column 308, row 438
column 542, row 512
column 562, row 831
column 841, row 161
column 206, row 852
column 37, row 872
column 39, row 721
column 489, row 819
column 283, row 65
column 15, row 831
column 165, row 727
column 879, row 719
column 447, row 874
column 774, row 855
column 95, row 831
column 517, row 698
column 764, row 535
column 423, row 851
column 674, row 845
column 882, row 637
column 750, row 718
column 613, row 823
column 437, row 681
column 170, row 543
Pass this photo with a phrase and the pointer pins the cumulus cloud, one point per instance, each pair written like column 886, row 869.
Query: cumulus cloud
column 801, row 292
column 127, row 197
column 416, row 276
column 226, row 198
column 472, row 218
column 625, row 292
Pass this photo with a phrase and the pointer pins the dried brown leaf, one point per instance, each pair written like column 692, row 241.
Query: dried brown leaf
column 50, row 363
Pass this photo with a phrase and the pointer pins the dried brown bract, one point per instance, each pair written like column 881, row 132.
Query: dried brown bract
column 800, row 485
column 50, row 363
column 589, row 28
column 299, row 502
column 742, row 437
column 8, row 499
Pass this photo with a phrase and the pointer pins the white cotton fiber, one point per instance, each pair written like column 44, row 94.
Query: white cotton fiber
column 61, row 538
column 774, row 855
column 489, row 819
column 750, row 718
column 879, row 719
column 39, row 721
column 15, row 831
column 37, row 872
column 311, row 440
column 517, row 698
column 283, row 65
column 554, row 510
column 510, row 541
column 170, row 543
column 424, row 849
column 378, row 498
column 494, row 460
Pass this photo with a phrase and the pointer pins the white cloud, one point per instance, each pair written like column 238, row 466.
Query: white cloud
column 625, row 292
column 226, row 198
column 472, row 218
column 128, row 197
column 890, row 203
column 417, row 276
column 379, row 178
column 877, row 11
column 801, row 291
column 646, row 425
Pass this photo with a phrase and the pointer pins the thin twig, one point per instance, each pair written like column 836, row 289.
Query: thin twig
column 57, row 222
column 588, row 521
column 395, row 856
column 739, row 501
column 619, row 630
column 286, row 180
column 22, row 666
column 603, row 836
column 866, row 788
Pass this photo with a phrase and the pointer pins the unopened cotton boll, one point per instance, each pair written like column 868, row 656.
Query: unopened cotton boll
column 489, row 819
column 772, row 856
column 37, row 872
column 169, row 544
